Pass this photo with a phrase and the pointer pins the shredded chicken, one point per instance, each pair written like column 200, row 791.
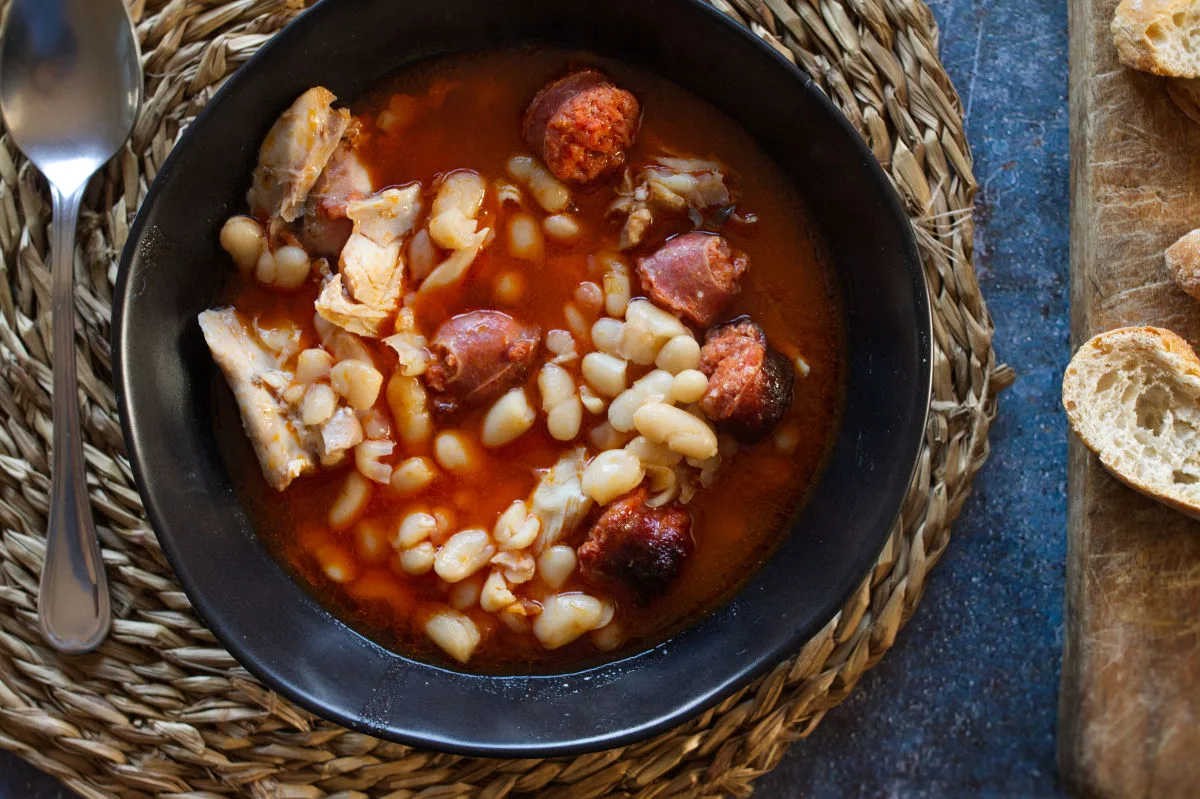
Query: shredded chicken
column 558, row 500
column 285, row 448
column 673, row 185
column 294, row 153
column 365, row 294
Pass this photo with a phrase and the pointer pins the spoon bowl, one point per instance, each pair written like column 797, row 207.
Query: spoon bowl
column 70, row 89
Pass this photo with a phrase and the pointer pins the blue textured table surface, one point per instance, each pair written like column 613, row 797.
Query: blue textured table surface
column 965, row 704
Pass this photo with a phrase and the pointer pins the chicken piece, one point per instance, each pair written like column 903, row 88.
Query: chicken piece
column 294, row 153
column 637, row 548
column 477, row 356
column 339, row 434
column 370, row 264
column 335, row 305
column 284, row 447
column 749, row 384
column 558, row 500
column 365, row 294
column 672, row 186
column 693, row 275
column 325, row 226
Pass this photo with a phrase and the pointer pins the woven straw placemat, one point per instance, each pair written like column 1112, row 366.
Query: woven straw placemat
column 161, row 709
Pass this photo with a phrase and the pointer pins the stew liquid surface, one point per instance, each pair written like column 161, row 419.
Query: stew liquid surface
column 465, row 113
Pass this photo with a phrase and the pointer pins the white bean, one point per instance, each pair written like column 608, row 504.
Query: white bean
column 525, row 238
column 607, row 335
column 678, row 429
column 589, row 297
column 604, row 437
column 495, row 595
column 653, row 453
column 465, row 594
column 336, row 563
column 577, row 323
column 454, row 632
column 463, row 554
column 313, row 365
column 414, row 528
column 294, row 393
column 647, row 329
column 291, row 267
column 592, row 402
column 516, row 528
column 410, row 408
column 688, row 387
column 564, row 412
column 561, row 227
column 359, row 382
column 605, row 373
column 611, row 474
column 509, row 287
column 517, row 567
column 318, row 404
column 654, row 387
column 454, row 453
column 376, row 424
column 679, row 354
column 243, row 238
column 509, row 418
column 265, row 270
column 413, row 475
column 371, row 541
column 452, row 230
column 562, row 344
column 462, row 191
column 565, row 617
column 787, row 438
column 608, row 637
column 351, row 502
column 419, row 559
column 551, row 194
column 555, row 565
column 367, row 459
column 617, row 288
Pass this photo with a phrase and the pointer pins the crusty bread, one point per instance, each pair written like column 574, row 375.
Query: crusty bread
column 1133, row 397
column 1159, row 36
column 1183, row 262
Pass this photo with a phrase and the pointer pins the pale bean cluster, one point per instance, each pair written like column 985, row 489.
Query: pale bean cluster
column 286, row 267
column 647, row 430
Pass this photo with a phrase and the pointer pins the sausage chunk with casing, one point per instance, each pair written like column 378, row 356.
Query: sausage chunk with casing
column 581, row 125
column 694, row 275
column 749, row 384
column 477, row 356
column 637, row 548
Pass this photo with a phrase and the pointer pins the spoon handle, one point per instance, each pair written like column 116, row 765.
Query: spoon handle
column 73, row 600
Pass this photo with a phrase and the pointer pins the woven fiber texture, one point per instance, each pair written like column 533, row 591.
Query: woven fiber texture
column 161, row 709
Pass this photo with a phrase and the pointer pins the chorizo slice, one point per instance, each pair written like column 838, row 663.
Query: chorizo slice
column 477, row 356
column 581, row 125
column 637, row 548
column 749, row 384
column 694, row 275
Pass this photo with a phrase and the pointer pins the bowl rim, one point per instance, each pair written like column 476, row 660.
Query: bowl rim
column 682, row 712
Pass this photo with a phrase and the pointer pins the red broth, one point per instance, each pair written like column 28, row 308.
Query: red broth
column 465, row 113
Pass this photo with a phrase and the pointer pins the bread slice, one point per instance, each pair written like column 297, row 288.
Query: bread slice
column 1133, row 397
column 1159, row 36
column 1183, row 262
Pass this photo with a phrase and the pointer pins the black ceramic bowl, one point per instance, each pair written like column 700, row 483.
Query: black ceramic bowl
column 165, row 381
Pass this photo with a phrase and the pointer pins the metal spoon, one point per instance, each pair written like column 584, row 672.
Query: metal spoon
column 70, row 87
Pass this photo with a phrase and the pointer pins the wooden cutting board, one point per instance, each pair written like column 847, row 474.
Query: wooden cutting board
column 1129, row 714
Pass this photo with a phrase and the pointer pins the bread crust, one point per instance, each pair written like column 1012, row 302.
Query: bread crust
column 1183, row 262
column 1143, row 343
column 1146, row 35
